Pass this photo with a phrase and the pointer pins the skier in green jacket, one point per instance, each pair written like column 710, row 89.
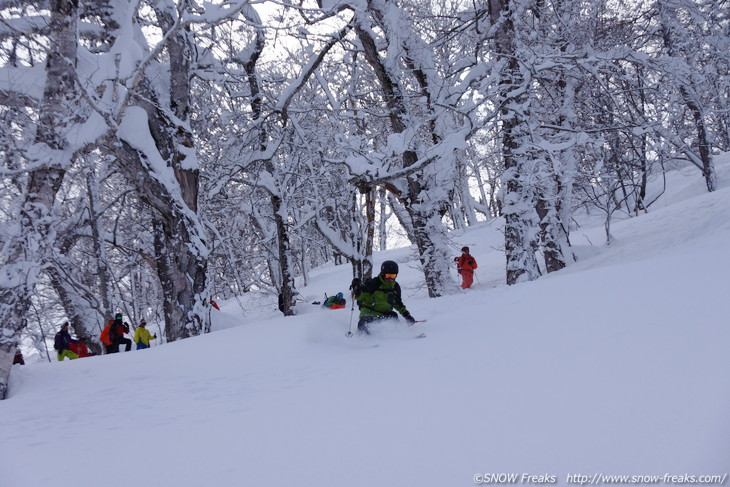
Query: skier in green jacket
column 378, row 297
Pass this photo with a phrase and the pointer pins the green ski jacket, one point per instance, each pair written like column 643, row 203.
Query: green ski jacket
column 378, row 297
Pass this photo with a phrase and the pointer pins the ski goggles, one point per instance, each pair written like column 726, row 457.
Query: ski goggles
column 389, row 276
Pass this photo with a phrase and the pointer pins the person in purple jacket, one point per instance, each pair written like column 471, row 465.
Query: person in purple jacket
column 62, row 341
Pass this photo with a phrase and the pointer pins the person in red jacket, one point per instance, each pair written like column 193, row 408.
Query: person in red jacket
column 466, row 265
column 18, row 359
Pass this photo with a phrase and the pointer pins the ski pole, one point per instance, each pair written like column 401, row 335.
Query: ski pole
column 349, row 328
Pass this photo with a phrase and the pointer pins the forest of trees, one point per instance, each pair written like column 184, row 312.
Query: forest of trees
column 157, row 154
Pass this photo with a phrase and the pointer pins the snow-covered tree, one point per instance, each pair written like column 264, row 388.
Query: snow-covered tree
column 687, row 31
column 103, row 91
column 28, row 236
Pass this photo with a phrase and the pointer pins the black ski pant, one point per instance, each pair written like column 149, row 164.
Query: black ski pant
column 363, row 324
column 114, row 347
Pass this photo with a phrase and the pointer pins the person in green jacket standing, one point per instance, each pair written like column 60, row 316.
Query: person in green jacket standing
column 378, row 296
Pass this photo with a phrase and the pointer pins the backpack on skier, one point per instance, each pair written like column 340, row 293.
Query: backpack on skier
column 58, row 343
column 80, row 349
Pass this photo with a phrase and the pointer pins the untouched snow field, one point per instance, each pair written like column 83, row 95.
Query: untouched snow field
column 618, row 365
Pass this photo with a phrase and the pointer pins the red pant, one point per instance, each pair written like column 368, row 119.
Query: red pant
column 467, row 278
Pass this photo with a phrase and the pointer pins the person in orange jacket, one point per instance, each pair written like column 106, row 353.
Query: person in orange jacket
column 105, row 339
column 465, row 265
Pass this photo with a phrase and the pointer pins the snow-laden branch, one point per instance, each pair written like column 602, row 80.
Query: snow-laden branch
column 235, row 167
column 181, row 22
column 341, row 245
column 38, row 24
column 134, row 130
column 308, row 69
column 365, row 168
column 215, row 13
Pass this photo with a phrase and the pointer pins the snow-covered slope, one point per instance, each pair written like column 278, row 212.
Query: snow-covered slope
column 619, row 365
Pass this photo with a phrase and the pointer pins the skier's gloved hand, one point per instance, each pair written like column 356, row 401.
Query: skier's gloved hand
column 410, row 319
column 355, row 286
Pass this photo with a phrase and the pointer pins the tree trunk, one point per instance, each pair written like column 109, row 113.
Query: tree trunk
column 384, row 215
column 369, row 232
column 428, row 231
column 284, row 269
column 362, row 266
column 178, row 230
column 551, row 248
column 706, row 165
column 182, row 277
column 28, row 249
column 288, row 291
column 180, row 250
column 429, row 234
column 98, row 243
column 519, row 201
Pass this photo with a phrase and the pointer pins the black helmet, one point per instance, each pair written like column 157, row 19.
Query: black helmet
column 389, row 267
column 465, row 249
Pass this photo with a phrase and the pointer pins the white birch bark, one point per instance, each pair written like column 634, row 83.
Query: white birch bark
column 26, row 250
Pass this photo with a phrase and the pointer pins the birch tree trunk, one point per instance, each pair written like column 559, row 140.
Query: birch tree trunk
column 283, row 272
column 28, row 248
column 687, row 89
column 428, row 232
column 103, row 273
column 180, row 250
column 181, row 254
column 519, row 200
column 554, row 200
